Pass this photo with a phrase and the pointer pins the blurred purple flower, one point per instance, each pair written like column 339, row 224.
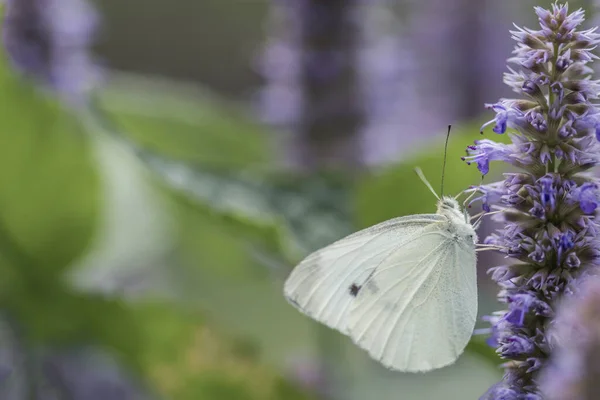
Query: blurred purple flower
column 290, row 61
column 312, row 89
column 548, row 223
column 307, row 373
column 335, row 81
column 48, row 40
column 574, row 367
column 88, row 374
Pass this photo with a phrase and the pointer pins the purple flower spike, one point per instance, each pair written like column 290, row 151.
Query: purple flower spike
column 548, row 225
column 574, row 366
column 48, row 40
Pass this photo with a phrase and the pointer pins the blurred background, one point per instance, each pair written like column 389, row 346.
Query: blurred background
column 146, row 229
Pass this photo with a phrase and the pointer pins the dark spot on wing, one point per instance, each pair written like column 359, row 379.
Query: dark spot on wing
column 354, row 289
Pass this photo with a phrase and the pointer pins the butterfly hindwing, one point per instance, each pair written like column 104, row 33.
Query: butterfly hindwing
column 418, row 309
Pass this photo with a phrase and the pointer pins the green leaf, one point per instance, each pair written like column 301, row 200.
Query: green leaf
column 49, row 214
column 216, row 385
column 213, row 160
column 478, row 346
column 315, row 209
column 185, row 123
column 129, row 249
column 50, row 188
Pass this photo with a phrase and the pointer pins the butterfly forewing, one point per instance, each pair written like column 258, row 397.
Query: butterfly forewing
column 324, row 285
column 418, row 308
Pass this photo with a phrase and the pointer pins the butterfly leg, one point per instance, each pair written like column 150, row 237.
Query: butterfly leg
column 469, row 197
column 487, row 247
column 473, row 193
column 481, row 215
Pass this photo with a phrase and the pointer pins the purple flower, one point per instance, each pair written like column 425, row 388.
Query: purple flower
column 505, row 117
column 575, row 363
column 485, row 151
column 547, row 224
column 522, row 304
column 548, row 192
column 315, row 66
column 488, row 194
column 48, row 40
column 499, row 392
column 588, row 197
column 86, row 373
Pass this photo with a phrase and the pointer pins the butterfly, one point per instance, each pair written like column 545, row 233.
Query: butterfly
column 405, row 290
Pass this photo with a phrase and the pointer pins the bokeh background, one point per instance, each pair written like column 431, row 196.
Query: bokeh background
column 144, row 243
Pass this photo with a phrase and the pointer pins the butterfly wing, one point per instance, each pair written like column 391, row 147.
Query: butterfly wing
column 325, row 284
column 418, row 309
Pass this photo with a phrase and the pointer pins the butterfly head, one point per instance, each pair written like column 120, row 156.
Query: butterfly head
column 448, row 205
column 459, row 220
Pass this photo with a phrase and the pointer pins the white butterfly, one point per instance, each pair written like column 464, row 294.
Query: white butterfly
column 405, row 290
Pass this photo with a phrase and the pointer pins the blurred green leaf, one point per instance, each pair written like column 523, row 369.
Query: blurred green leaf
column 314, row 208
column 478, row 345
column 184, row 123
column 72, row 318
column 50, row 188
column 216, row 385
column 223, row 213
column 167, row 330
column 130, row 248
column 189, row 357
column 49, row 214
column 285, row 390
column 278, row 217
column 197, row 144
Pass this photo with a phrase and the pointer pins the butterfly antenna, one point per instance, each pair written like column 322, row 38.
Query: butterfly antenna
column 444, row 163
column 426, row 182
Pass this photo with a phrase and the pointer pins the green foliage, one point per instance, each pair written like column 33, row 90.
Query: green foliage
column 479, row 346
column 188, row 358
column 285, row 390
column 202, row 151
column 50, row 188
column 216, row 385
column 49, row 212
column 225, row 211
column 185, row 125
column 166, row 333
column 75, row 319
column 216, row 164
